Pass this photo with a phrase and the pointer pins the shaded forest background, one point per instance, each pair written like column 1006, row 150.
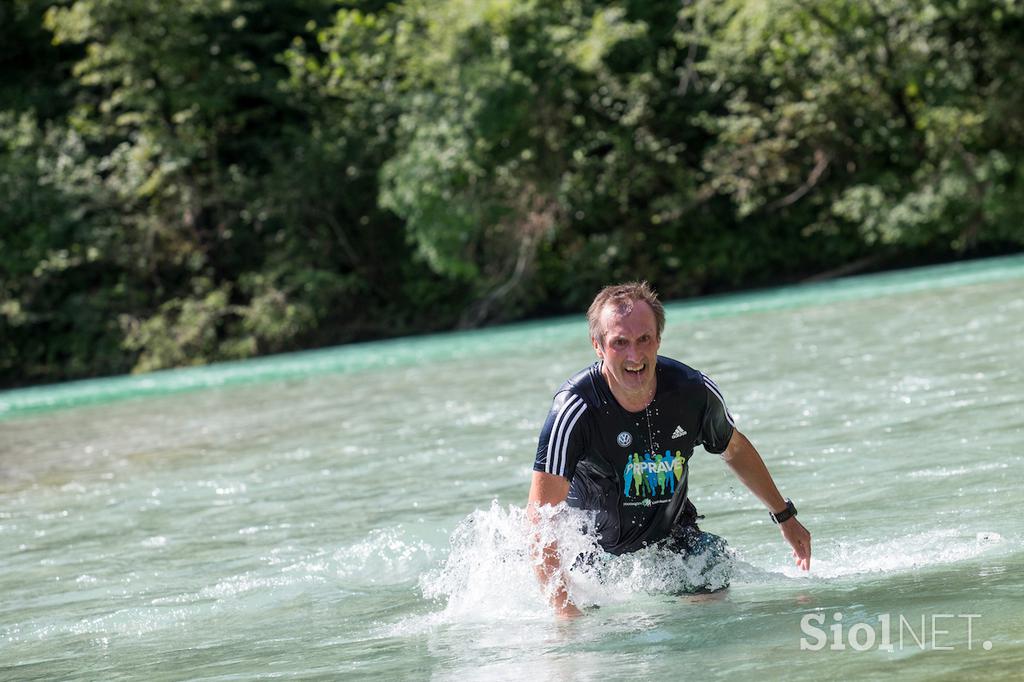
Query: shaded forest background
column 185, row 181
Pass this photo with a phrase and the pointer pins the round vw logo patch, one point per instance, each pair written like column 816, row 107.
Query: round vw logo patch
column 625, row 439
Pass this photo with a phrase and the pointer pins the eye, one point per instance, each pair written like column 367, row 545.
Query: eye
column 619, row 342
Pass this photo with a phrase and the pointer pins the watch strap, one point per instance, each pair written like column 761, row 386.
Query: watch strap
column 786, row 514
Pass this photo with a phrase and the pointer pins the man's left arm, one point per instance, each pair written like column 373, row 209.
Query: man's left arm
column 746, row 463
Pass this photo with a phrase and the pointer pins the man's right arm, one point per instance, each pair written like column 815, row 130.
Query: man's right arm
column 549, row 489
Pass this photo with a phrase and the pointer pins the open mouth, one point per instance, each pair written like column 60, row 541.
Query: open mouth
column 636, row 371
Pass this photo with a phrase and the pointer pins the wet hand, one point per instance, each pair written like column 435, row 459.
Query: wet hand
column 800, row 540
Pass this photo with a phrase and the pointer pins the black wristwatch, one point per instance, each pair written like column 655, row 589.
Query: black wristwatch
column 786, row 514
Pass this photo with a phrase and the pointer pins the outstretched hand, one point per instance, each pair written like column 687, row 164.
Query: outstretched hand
column 800, row 540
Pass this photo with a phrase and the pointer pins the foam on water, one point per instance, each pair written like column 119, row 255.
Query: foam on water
column 949, row 472
column 488, row 573
column 488, row 569
column 385, row 556
column 901, row 554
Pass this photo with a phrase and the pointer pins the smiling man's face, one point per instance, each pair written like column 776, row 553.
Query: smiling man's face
column 629, row 349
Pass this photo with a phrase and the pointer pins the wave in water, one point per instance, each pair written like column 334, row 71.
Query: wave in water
column 901, row 554
column 488, row 572
column 489, row 569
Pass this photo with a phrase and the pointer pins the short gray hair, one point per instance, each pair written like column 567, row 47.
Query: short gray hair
column 623, row 297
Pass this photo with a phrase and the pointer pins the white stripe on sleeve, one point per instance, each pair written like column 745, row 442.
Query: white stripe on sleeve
column 558, row 440
column 718, row 394
column 565, row 441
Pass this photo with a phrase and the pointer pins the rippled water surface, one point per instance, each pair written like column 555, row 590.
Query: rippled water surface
column 357, row 513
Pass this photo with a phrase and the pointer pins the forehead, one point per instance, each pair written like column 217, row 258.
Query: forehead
column 631, row 320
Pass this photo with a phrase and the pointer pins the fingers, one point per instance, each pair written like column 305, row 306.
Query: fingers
column 800, row 540
column 802, row 552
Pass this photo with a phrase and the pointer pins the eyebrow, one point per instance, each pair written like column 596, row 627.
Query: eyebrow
column 613, row 339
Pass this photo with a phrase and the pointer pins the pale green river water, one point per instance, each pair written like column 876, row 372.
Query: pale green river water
column 356, row 513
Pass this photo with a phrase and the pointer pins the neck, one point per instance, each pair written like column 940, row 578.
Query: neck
column 634, row 403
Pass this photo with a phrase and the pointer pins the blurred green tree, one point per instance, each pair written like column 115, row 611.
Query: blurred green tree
column 890, row 120
column 188, row 181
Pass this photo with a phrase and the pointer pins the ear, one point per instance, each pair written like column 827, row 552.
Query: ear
column 597, row 347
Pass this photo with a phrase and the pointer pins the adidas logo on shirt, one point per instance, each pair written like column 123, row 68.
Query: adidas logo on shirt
column 679, row 432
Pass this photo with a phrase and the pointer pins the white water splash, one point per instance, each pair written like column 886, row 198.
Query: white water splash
column 489, row 571
column 897, row 555
column 488, row 574
column 386, row 556
column 949, row 472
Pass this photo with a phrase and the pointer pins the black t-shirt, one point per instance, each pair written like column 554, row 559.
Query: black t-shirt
column 631, row 467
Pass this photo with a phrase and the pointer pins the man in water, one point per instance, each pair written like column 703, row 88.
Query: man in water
column 608, row 420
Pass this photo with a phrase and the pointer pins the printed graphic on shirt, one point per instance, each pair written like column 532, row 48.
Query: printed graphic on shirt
column 652, row 480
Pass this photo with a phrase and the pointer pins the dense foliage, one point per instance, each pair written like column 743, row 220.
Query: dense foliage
column 183, row 181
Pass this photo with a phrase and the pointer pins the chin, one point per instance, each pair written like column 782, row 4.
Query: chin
column 638, row 380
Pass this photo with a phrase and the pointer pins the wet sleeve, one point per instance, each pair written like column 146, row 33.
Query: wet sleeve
column 563, row 439
column 717, row 424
